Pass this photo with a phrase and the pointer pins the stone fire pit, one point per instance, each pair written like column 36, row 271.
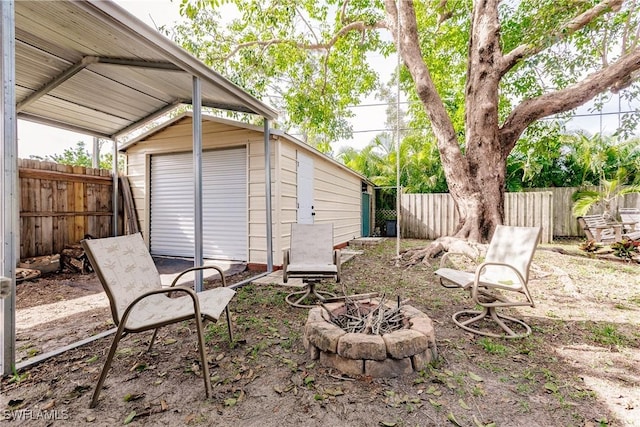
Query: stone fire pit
column 396, row 353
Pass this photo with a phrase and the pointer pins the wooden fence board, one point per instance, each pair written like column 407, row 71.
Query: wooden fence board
column 59, row 204
column 429, row 216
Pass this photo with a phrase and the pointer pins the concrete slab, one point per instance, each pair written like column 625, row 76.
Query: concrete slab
column 275, row 278
column 365, row 241
column 170, row 267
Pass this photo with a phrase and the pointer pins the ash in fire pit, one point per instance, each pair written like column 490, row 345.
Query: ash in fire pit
column 370, row 337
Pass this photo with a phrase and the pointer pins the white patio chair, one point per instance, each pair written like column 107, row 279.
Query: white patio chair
column 140, row 303
column 312, row 258
column 597, row 228
column 505, row 270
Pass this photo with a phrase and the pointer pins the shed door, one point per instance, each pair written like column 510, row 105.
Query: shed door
column 305, row 189
column 366, row 217
column 224, row 204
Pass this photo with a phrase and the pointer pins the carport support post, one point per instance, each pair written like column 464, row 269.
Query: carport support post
column 95, row 154
column 9, row 187
column 114, row 171
column 267, row 183
column 197, row 179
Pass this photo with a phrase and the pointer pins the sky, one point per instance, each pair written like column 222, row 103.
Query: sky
column 40, row 140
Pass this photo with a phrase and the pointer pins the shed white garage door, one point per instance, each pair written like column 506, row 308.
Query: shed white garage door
column 224, row 204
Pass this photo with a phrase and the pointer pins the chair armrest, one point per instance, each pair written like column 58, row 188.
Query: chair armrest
column 629, row 226
column 446, row 256
column 189, row 291
column 605, row 227
column 477, row 285
column 202, row 267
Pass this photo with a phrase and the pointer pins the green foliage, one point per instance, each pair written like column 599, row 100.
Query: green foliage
column 17, row 377
column 79, row 156
column 625, row 249
column 492, row 347
column 285, row 50
column 608, row 334
column 420, row 167
column 584, row 200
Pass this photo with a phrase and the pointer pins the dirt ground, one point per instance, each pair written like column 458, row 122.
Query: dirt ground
column 580, row 367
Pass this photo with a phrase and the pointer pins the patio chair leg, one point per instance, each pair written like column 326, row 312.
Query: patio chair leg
column 203, row 357
column 153, row 338
column 309, row 291
column 496, row 317
column 107, row 365
column 229, row 325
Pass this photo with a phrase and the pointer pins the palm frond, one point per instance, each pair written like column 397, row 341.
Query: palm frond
column 581, row 206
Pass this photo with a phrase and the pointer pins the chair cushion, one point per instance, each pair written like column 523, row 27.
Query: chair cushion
column 125, row 266
column 159, row 309
column 311, row 244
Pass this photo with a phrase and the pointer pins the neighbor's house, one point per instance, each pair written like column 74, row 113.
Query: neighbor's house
column 307, row 186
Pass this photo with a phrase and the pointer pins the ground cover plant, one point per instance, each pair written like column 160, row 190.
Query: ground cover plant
column 580, row 367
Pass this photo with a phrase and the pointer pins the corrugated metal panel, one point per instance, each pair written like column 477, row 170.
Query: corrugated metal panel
column 224, row 201
column 53, row 37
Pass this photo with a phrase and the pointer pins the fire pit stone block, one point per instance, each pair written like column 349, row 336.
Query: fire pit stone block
column 405, row 343
column 411, row 312
column 324, row 335
column 361, row 346
column 422, row 360
column 314, row 352
column 388, row 368
column 342, row 364
column 424, row 325
column 317, row 314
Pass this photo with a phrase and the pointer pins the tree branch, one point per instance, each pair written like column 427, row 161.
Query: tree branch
column 526, row 50
column 354, row 26
column 343, row 11
column 616, row 75
column 443, row 14
column 313, row 33
column 409, row 47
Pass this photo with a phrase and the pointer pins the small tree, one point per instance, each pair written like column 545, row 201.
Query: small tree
column 608, row 192
column 79, row 156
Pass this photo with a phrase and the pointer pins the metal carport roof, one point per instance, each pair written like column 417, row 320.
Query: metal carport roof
column 92, row 67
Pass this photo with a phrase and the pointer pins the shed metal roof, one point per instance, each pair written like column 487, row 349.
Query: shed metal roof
column 275, row 133
column 94, row 68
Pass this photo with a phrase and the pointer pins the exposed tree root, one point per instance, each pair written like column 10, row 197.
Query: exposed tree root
column 438, row 247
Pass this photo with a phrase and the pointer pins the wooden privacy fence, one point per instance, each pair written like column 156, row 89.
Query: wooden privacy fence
column 60, row 204
column 564, row 223
column 429, row 216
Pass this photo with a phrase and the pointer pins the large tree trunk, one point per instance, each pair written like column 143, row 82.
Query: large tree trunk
column 476, row 179
column 482, row 207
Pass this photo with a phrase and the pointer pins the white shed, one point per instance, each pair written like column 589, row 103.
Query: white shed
column 307, row 186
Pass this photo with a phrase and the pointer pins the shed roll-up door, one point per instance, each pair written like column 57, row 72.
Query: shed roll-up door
column 224, row 204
